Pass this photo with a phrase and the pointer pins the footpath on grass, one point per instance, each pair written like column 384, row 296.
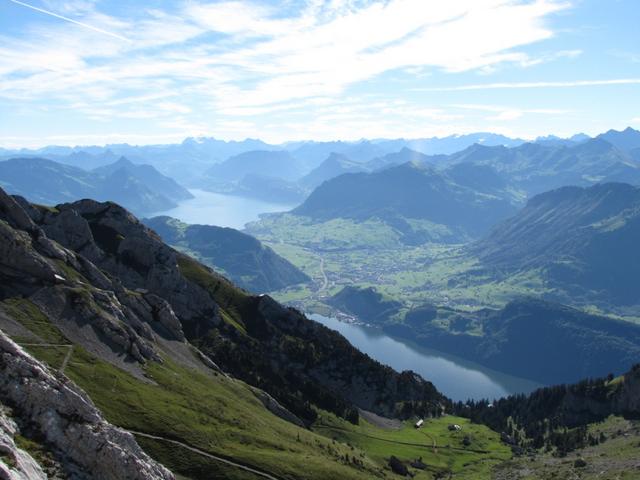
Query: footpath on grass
column 226, row 461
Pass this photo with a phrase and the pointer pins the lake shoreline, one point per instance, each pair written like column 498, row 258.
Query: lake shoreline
column 456, row 377
column 221, row 209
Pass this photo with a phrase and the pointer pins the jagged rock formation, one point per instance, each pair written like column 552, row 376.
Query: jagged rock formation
column 117, row 243
column 68, row 420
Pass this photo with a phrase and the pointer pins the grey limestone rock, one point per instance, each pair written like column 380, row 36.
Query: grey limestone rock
column 70, row 422
column 15, row 463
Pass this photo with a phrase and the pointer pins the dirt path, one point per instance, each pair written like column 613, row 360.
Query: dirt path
column 434, row 444
column 66, row 357
column 208, row 455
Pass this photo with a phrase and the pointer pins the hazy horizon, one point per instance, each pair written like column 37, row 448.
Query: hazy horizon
column 283, row 143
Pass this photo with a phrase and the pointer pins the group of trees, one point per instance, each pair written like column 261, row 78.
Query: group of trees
column 551, row 417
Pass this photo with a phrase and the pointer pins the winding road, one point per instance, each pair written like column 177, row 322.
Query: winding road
column 325, row 280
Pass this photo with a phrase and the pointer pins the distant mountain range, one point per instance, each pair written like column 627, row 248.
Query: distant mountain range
column 583, row 241
column 140, row 187
column 239, row 256
column 468, row 191
column 534, row 168
column 203, row 152
column 261, row 162
column 500, row 166
column 522, row 169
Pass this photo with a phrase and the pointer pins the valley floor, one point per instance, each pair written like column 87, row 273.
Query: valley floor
column 343, row 252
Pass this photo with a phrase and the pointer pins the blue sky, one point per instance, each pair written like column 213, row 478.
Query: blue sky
column 100, row 71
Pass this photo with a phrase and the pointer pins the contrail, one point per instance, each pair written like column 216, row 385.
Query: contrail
column 90, row 27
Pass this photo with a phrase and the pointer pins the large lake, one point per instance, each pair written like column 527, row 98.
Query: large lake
column 456, row 378
column 209, row 208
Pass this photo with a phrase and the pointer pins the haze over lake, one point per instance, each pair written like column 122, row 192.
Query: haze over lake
column 209, row 208
column 456, row 378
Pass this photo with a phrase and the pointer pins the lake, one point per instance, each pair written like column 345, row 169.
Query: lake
column 456, row 378
column 209, row 208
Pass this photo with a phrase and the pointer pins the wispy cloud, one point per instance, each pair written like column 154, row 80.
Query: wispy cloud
column 71, row 20
column 503, row 113
column 517, row 85
column 259, row 57
column 303, row 68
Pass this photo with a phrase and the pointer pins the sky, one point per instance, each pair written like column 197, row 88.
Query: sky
column 81, row 72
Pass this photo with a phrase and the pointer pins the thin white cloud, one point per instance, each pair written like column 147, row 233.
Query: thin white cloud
column 502, row 108
column 516, row 85
column 71, row 20
column 506, row 114
column 202, row 63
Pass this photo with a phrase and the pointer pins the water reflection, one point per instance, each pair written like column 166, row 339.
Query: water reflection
column 457, row 378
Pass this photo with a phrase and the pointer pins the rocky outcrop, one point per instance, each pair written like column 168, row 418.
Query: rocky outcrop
column 274, row 407
column 69, row 422
column 118, row 244
column 15, row 463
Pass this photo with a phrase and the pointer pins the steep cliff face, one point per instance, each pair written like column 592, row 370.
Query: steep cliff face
column 68, row 421
column 117, row 243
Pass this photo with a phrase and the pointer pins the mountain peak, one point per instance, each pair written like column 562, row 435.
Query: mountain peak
column 625, row 140
column 124, row 162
